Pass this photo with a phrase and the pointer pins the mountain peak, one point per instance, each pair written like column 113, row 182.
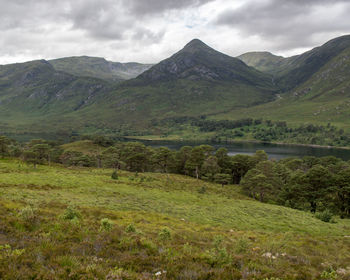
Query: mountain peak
column 196, row 45
column 198, row 61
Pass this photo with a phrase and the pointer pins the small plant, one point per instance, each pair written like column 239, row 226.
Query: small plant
column 325, row 216
column 242, row 246
column 219, row 253
column 27, row 214
column 164, row 234
column 6, row 252
column 71, row 213
column 329, row 274
column 130, row 228
column 202, row 190
column 106, row 224
column 115, row 175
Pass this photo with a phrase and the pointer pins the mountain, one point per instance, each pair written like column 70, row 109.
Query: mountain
column 197, row 61
column 99, row 68
column 263, row 61
column 194, row 82
column 319, row 82
column 197, row 80
column 34, row 92
column 293, row 71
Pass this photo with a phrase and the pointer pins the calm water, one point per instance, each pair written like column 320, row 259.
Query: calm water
column 273, row 150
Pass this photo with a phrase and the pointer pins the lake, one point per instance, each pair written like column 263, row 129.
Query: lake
column 273, row 150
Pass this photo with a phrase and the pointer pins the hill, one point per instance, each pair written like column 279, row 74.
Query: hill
column 198, row 81
column 293, row 71
column 263, row 61
column 197, row 61
column 322, row 98
column 84, row 66
column 79, row 221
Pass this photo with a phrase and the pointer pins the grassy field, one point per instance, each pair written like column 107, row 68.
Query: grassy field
column 159, row 222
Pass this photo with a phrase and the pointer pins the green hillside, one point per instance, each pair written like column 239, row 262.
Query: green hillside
column 323, row 98
column 263, row 61
column 97, row 67
column 37, row 98
column 81, row 223
column 293, row 71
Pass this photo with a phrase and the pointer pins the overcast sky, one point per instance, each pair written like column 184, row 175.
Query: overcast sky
column 151, row 30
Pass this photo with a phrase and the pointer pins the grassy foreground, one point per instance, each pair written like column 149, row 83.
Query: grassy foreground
column 155, row 226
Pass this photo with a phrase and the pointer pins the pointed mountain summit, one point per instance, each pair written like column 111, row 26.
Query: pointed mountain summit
column 198, row 61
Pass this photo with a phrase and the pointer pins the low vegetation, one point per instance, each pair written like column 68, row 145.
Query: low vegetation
column 65, row 217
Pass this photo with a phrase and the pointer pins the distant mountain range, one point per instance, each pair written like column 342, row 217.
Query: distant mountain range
column 85, row 66
column 88, row 95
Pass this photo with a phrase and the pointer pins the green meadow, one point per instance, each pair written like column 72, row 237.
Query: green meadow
column 79, row 223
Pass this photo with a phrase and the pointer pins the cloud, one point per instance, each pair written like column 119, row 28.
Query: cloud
column 288, row 23
column 156, row 6
column 151, row 30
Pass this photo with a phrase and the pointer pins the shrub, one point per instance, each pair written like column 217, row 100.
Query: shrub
column 329, row 274
column 130, row 228
column 325, row 216
column 27, row 214
column 71, row 213
column 106, row 224
column 115, row 175
column 219, row 253
column 164, row 234
column 202, row 190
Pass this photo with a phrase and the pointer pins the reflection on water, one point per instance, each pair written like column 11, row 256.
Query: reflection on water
column 273, row 150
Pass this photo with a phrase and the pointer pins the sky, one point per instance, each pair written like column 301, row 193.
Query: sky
column 148, row 31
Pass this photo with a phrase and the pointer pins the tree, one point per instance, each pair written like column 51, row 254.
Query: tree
column 262, row 181
column 4, row 146
column 31, row 157
column 315, row 184
column 181, row 158
column 111, row 158
column 222, row 178
column 163, row 157
column 239, row 166
column 223, row 159
column 256, row 184
column 42, row 151
column 342, row 190
column 136, row 156
column 197, row 157
column 210, row 167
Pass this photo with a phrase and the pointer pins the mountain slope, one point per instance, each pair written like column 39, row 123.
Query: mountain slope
column 323, row 98
column 293, row 71
column 99, row 68
column 263, row 61
column 195, row 81
column 34, row 92
column 197, row 61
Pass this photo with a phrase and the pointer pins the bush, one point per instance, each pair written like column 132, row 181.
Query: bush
column 202, row 190
column 130, row 228
column 71, row 213
column 27, row 214
column 115, row 175
column 164, row 234
column 106, row 224
column 325, row 216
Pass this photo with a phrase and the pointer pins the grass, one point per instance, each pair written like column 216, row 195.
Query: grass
column 150, row 203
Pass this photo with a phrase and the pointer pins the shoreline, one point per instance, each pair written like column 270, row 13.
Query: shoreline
column 240, row 141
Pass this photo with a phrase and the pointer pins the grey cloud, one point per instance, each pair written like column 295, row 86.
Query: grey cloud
column 156, row 6
column 287, row 23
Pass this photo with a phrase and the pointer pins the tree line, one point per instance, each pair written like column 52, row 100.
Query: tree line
column 309, row 183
